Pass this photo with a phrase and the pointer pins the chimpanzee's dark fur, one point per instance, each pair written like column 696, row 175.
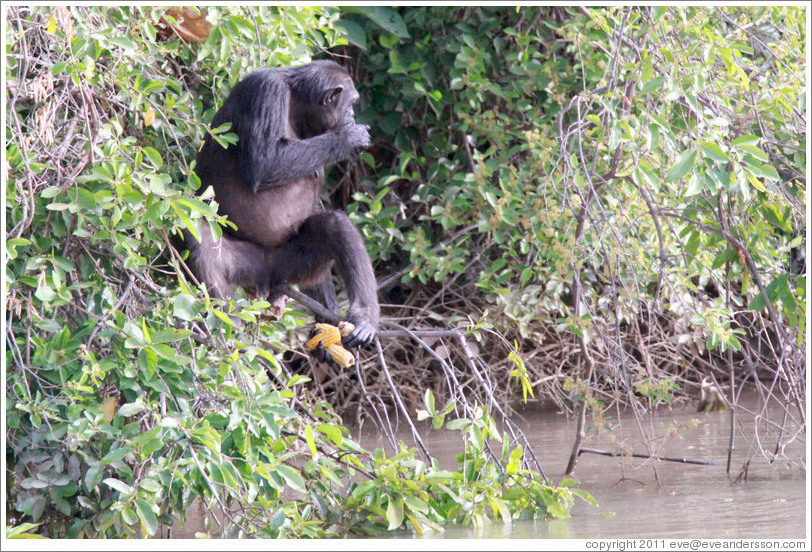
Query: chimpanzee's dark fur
column 291, row 123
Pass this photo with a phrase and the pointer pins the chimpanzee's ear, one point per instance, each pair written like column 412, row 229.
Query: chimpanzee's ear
column 331, row 95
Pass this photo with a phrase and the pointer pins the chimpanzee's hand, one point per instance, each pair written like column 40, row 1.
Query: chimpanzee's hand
column 355, row 137
column 319, row 353
column 361, row 336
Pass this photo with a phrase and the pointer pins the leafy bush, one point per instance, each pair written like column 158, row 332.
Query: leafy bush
column 619, row 189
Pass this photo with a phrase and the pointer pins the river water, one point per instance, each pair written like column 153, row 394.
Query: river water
column 692, row 501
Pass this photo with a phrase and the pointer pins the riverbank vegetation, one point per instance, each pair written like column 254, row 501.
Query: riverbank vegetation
column 602, row 209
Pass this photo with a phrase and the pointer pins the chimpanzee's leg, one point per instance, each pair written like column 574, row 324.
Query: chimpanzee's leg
column 226, row 263
column 325, row 238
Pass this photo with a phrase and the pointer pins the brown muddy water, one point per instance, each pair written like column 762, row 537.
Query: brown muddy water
column 692, row 501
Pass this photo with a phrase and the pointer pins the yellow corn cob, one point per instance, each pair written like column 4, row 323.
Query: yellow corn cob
column 341, row 356
column 328, row 335
column 330, row 338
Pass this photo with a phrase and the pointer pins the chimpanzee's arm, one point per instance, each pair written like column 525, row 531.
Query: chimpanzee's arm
column 270, row 155
column 290, row 160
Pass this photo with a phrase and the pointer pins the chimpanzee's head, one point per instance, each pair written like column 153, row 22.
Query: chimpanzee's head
column 322, row 96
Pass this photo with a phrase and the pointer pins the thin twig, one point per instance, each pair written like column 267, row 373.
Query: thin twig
column 651, row 456
column 399, row 401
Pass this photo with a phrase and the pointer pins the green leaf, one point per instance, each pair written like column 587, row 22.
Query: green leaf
column 118, row 485
column 153, row 86
column 59, row 67
column 692, row 245
column 38, row 507
column 150, row 485
column 277, row 520
column 768, row 171
column 415, row 504
column 428, row 400
column 353, row 32
column 22, row 531
column 224, row 317
column 115, row 455
column 777, row 289
column 652, row 85
column 387, row 18
column 555, row 508
column 130, row 409
column 734, row 342
column 333, row 432
column 44, row 292
column 204, row 435
column 50, row 192
column 714, row 151
column 147, row 516
column 658, row 11
column 477, row 439
column 527, row 273
column 774, row 217
column 129, row 516
column 459, row 423
column 439, row 476
column 757, row 303
column 755, row 151
column 292, row 477
column 33, row 483
column 765, row 171
column 197, row 205
column 394, row 513
column 154, row 156
column 184, row 307
column 311, row 441
column 296, row 380
column 728, row 255
column 13, row 243
column 756, row 183
column 170, row 335
column 514, row 493
column 123, row 42
column 786, row 295
column 747, row 139
column 681, row 167
column 187, row 222
column 696, row 184
column 740, row 46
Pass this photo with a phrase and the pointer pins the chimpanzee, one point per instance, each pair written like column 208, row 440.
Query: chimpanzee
column 291, row 123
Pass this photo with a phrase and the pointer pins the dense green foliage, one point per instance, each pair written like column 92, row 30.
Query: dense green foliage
column 620, row 189
column 684, row 138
